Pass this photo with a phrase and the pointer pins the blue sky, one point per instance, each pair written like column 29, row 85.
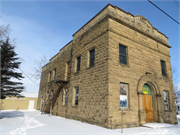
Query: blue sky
column 44, row 27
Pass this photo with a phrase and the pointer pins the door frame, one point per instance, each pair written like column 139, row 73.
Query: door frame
column 150, row 80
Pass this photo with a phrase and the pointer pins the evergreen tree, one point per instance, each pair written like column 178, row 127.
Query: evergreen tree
column 9, row 64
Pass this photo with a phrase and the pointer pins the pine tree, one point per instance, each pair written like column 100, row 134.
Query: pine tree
column 9, row 64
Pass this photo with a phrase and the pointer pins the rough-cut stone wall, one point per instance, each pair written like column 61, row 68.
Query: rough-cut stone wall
column 99, row 85
column 92, row 81
column 59, row 62
column 144, row 55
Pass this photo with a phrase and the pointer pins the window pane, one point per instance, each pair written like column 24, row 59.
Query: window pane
column 123, row 95
column 77, row 90
column 92, row 57
column 166, row 104
column 122, row 50
column 76, row 95
column 78, row 63
column 122, row 55
column 122, row 59
column 92, row 62
column 66, row 94
column 163, row 67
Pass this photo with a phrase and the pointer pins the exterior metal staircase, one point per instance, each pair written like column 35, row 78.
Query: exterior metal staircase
column 53, row 95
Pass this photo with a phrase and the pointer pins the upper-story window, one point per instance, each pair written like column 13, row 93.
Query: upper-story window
column 122, row 54
column 49, row 77
column 54, row 74
column 163, row 67
column 92, row 57
column 78, row 63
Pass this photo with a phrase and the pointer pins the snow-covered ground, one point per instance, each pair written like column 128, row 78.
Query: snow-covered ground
column 16, row 122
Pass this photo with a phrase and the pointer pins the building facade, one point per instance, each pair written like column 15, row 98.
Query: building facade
column 115, row 61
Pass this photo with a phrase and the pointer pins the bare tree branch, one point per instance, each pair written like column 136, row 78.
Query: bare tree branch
column 176, row 77
column 36, row 75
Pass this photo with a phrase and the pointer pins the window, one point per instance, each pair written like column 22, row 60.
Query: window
column 78, row 63
column 54, row 74
column 92, row 57
column 76, row 96
column 122, row 54
column 163, row 68
column 166, row 100
column 65, row 96
column 49, row 76
column 123, row 95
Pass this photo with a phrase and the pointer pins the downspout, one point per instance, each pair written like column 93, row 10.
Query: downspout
column 71, row 55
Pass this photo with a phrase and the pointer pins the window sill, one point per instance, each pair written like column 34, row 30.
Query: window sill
column 77, row 72
column 90, row 67
column 126, row 65
column 74, row 106
column 167, row 110
column 125, row 109
column 164, row 77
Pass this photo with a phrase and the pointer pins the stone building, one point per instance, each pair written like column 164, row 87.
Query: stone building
column 115, row 61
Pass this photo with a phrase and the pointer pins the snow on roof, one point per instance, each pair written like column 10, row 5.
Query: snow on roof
column 30, row 94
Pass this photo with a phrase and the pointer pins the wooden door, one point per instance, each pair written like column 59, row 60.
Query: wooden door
column 147, row 107
column 68, row 70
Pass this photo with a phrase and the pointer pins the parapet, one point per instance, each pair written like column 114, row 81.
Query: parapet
column 137, row 22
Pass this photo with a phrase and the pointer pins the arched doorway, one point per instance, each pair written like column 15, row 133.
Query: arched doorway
column 148, row 103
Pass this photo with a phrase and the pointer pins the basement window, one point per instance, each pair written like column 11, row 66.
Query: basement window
column 123, row 95
column 166, row 100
